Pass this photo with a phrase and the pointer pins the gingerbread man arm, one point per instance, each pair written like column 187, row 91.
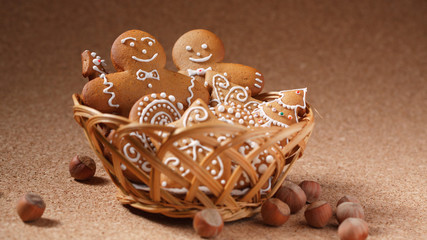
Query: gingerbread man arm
column 92, row 65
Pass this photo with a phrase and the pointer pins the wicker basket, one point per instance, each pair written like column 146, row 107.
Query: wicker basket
column 159, row 200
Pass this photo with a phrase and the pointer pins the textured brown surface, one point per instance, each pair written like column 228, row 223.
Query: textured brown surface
column 364, row 63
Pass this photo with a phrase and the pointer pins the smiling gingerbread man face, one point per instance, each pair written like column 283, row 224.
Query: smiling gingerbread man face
column 135, row 50
column 197, row 47
column 199, row 51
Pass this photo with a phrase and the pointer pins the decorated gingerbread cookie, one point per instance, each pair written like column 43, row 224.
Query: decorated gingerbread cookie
column 218, row 168
column 154, row 108
column 92, row 65
column 199, row 51
column 139, row 60
column 284, row 111
column 232, row 103
column 221, row 167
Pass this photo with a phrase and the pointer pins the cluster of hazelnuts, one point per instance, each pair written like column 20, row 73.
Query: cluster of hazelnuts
column 290, row 199
column 31, row 206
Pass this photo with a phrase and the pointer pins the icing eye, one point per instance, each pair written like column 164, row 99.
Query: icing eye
column 204, row 46
column 132, row 44
column 144, row 51
column 188, row 48
column 281, row 114
column 150, row 43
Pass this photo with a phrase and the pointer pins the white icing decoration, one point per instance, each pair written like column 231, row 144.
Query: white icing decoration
column 258, row 74
column 171, row 98
column 144, row 51
column 132, row 44
column 257, row 85
column 107, row 91
column 198, row 54
column 200, row 60
column 161, row 117
column 221, row 108
column 191, row 91
column 150, row 85
column 204, row 46
column 125, row 39
column 145, row 60
column 144, row 38
column 188, row 48
column 180, row 106
column 142, row 75
column 93, row 54
column 163, row 95
column 198, row 117
column 258, row 80
column 198, row 72
column 153, row 95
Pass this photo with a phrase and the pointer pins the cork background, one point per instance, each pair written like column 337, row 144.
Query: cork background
column 364, row 63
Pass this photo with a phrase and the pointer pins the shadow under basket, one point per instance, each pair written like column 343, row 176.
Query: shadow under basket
column 202, row 190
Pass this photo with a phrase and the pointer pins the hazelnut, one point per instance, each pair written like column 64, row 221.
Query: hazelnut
column 353, row 229
column 293, row 195
column 208, row 223
column 274, row 212
column 82, row 167
column 318, row 214
column 312, row 190
column 347, row 198
column 349, row 210
column 30, row 207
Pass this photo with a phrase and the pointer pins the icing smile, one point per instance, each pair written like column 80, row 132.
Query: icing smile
column 146, row 60
column 201, row 59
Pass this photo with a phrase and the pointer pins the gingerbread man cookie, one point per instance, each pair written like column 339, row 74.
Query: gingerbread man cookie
column 139, row 60
column 199, row 51
column 92, row 65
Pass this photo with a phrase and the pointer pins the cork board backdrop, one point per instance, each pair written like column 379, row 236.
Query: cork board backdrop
column 364, row 63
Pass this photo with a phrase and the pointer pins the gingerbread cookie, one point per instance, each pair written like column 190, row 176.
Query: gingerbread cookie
column 92, row 65
column 139, row 60
column 284, row 111
column 232, row 103
column 155, row 108
column 199, row 51
column 221, row 167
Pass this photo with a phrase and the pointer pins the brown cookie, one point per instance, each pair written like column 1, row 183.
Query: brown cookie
column 284, row 111
column 232, row 103
column 139, row 60
column 199, row 51
column 92, row 65
column 155, row 108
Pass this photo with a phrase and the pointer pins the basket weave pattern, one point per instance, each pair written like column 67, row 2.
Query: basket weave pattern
column 159, row 200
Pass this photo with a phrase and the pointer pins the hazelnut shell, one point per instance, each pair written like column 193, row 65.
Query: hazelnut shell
column 274, row 212
column 292, row 195
column 30, row 207
column 353, row 229
column 208, row 223
column 348, row 198
column 311, row 189
column 349, row 210
column 82, row 167
column 318, row 214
